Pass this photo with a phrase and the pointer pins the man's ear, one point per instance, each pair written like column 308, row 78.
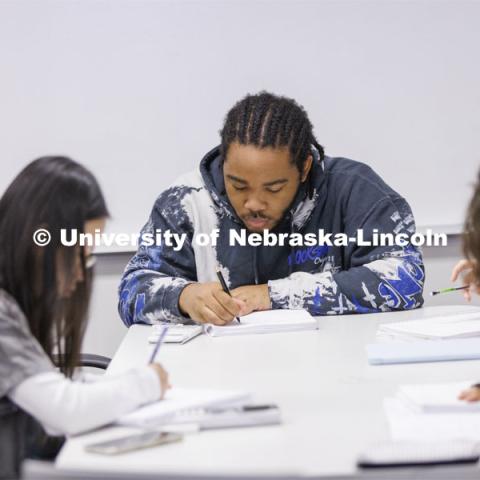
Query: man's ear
column 307, row 166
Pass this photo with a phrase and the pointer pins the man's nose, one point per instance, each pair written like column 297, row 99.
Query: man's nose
column 255, row 204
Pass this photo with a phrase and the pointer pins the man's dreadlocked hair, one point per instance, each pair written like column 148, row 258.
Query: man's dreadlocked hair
column 267, row 120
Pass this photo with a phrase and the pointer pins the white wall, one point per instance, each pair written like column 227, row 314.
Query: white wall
column 137, row 89
column 106, row 330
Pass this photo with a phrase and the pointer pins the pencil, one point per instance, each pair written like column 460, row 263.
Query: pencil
column 446, row 290
column 159, row 342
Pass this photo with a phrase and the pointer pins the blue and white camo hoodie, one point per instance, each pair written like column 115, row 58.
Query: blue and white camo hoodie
column 340, row 196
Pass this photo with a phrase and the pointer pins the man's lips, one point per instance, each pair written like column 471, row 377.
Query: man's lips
column 256, row 222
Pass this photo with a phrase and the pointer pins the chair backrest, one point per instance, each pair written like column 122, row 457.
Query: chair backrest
column 12, row 439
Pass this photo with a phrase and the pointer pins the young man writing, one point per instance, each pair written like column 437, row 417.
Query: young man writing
column 270, row 175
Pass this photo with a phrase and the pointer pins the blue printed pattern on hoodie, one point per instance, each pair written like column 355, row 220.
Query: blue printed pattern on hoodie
column 340, row 196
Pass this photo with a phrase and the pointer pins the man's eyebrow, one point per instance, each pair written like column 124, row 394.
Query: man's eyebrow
column 267, row 184
column 236, row 179
column 275, row 182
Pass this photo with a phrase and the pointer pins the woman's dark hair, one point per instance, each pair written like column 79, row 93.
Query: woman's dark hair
column 471, row 235
column 53, row 193
column 267, row 120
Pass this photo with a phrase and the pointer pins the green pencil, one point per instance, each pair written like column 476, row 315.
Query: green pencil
column 446, row 290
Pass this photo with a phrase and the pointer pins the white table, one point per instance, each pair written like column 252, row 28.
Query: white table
column 331, row 399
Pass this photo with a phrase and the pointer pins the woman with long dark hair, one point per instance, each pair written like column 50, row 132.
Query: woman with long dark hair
column 44, row 297
column 469, row 268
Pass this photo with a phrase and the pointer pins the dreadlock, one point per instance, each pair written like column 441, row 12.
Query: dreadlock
column 267, row 120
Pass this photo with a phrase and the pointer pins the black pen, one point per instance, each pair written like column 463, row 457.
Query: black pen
column 225, row 288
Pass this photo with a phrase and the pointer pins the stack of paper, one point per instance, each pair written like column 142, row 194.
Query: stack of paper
column 269, row 321
column 180, row 400
column 444, row 327
column 175, row 333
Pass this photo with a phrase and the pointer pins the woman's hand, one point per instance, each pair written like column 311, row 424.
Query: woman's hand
column 162, row 377
column 465, row 269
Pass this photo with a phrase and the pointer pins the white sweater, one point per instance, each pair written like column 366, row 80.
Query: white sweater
column 66, row 407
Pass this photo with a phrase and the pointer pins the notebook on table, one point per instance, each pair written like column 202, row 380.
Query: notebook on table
column 437, row 398
column 437, row 328
column 423, row 351
column 268, row 321
column 179, row 400
column 248, row 415
column 176, row 333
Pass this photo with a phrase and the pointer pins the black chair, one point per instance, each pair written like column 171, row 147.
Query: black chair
column 15, row 423
column 90, row 360
column 12, row 439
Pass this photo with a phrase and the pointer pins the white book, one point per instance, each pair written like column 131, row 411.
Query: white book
column 442, row 327
column 181, row 400
column 437, row 398
column 268, row 321
column 176, row 333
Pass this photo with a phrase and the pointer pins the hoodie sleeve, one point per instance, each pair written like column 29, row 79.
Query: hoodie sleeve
column 156, row 275
column 377, row 278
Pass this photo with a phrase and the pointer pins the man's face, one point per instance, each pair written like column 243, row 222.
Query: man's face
column 261, row 183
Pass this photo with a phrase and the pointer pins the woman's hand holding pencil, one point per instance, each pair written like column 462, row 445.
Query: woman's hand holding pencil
column 464, row 268
column 162, row 377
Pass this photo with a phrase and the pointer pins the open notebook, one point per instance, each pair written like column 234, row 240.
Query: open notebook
column 268, row 321
column 181, row 400
column 452, row 326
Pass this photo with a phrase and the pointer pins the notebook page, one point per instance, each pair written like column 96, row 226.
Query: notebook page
column 268, row 321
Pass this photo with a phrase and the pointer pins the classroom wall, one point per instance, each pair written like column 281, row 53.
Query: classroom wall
column 142, row 86
column 105, row 330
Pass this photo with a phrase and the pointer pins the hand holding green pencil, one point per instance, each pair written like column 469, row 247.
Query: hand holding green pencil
column 466, row 268
column 446, row 290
